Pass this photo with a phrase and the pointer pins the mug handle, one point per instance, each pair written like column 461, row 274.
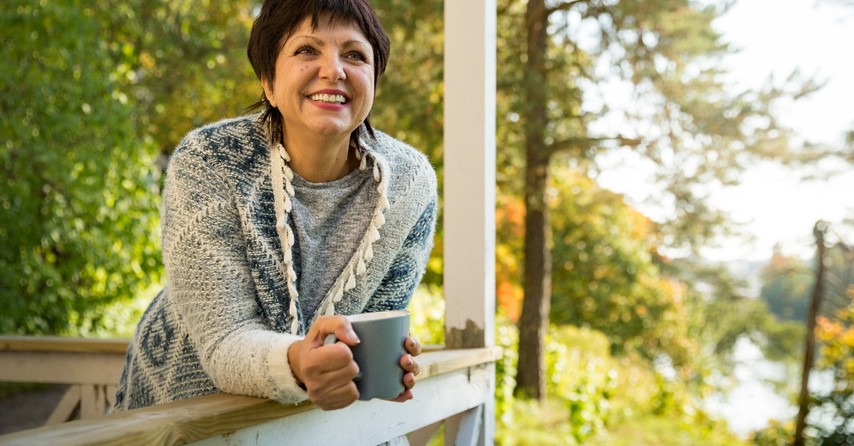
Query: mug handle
column 330, row 339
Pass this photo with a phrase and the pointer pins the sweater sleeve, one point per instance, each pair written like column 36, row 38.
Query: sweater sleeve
column 407, row 268
column 211, row 285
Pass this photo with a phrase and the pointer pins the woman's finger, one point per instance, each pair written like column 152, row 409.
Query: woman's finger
column 409, row 364
column 408, row 380
column 413, row 347
column 331, row 398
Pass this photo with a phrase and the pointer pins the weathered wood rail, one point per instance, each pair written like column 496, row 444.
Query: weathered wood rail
column 91, row 367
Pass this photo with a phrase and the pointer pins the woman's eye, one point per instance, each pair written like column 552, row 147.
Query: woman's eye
column 304, row 50
column 356, row 55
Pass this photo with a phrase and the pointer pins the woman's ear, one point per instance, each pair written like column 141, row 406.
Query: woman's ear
column 268, row 91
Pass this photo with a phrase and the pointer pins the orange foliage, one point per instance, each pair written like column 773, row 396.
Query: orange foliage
column 510, row 227
column 509, row 299
column 827, row 329
column 510, row 215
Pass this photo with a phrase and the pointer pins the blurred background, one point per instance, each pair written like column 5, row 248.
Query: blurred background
column 679, row 172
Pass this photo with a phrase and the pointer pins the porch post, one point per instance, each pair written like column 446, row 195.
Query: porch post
column 469, row 254
column 469, row 194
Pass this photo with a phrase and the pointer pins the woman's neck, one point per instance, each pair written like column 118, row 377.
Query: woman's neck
column 320, row 161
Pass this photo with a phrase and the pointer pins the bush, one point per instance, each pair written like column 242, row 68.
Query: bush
column 582, row 378
column 777, row 433
column 590, row 391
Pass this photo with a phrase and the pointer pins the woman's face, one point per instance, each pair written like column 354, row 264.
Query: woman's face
column 324, row 84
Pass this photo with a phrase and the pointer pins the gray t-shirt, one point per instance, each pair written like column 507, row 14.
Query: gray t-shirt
column 329, row 221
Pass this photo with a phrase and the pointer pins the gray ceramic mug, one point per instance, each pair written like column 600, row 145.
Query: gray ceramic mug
column 382, row 335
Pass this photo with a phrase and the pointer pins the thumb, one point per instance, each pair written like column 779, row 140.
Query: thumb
column 346, row 334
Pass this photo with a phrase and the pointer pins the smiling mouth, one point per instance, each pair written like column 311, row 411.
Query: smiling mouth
column 329, row 98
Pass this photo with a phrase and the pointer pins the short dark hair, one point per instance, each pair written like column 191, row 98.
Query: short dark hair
column 279, row 19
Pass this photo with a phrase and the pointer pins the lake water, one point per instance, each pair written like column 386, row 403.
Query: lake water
column 753, row 400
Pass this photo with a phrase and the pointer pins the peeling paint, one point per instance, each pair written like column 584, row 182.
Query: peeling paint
column 470, row 337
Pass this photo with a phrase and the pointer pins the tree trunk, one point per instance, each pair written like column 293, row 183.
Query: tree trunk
column 534, row 320
column 809, row 348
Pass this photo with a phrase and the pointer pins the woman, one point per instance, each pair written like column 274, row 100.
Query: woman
column 276, row 225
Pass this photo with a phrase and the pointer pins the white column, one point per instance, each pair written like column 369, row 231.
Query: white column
column 469, row 194
column 469, row 222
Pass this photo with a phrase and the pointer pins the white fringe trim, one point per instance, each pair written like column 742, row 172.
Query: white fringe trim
column 283, row 191
column 281, row 176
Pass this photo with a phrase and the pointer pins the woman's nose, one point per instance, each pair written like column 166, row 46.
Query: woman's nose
column 332, row 68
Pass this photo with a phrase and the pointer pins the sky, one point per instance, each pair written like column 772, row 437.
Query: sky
column 775, row 37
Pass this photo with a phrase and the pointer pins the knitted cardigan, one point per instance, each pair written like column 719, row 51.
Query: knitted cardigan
column 230, row 309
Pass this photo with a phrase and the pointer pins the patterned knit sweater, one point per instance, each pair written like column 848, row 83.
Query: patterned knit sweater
column 231, row 309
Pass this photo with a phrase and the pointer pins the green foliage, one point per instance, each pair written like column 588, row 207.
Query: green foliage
column 693, row 129
column 787, row 284
column 648, row 430
column 78, row 202
column 604, row 272
column 597, row 398
column 427, row 315
column 784, row 341
column 409, row 103
column 725, row 320
column 586, row 396
column 94, row 102
column 581, row 380
column 506, row 337
column 777, row 433
column 8, row 390
column 182, row 63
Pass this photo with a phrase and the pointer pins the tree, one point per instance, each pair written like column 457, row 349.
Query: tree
column 182, row 63
column 786, row 287
column 788, row 281
column 78, row 211
column 93, row 105
column 606, row 271
column 681, row 119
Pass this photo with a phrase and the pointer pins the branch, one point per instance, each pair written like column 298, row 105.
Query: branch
column 585, row 142
column 565, row 6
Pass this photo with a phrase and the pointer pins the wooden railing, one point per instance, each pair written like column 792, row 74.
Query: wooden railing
column 91, row 368
column 452, row 388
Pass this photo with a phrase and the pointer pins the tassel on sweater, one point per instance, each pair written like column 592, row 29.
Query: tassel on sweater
column 283, row 192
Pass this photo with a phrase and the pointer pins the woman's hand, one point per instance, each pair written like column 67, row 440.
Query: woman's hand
column 410, row 367
column 327, row 371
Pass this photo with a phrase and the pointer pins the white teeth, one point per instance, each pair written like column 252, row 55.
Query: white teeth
column 331, row 98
